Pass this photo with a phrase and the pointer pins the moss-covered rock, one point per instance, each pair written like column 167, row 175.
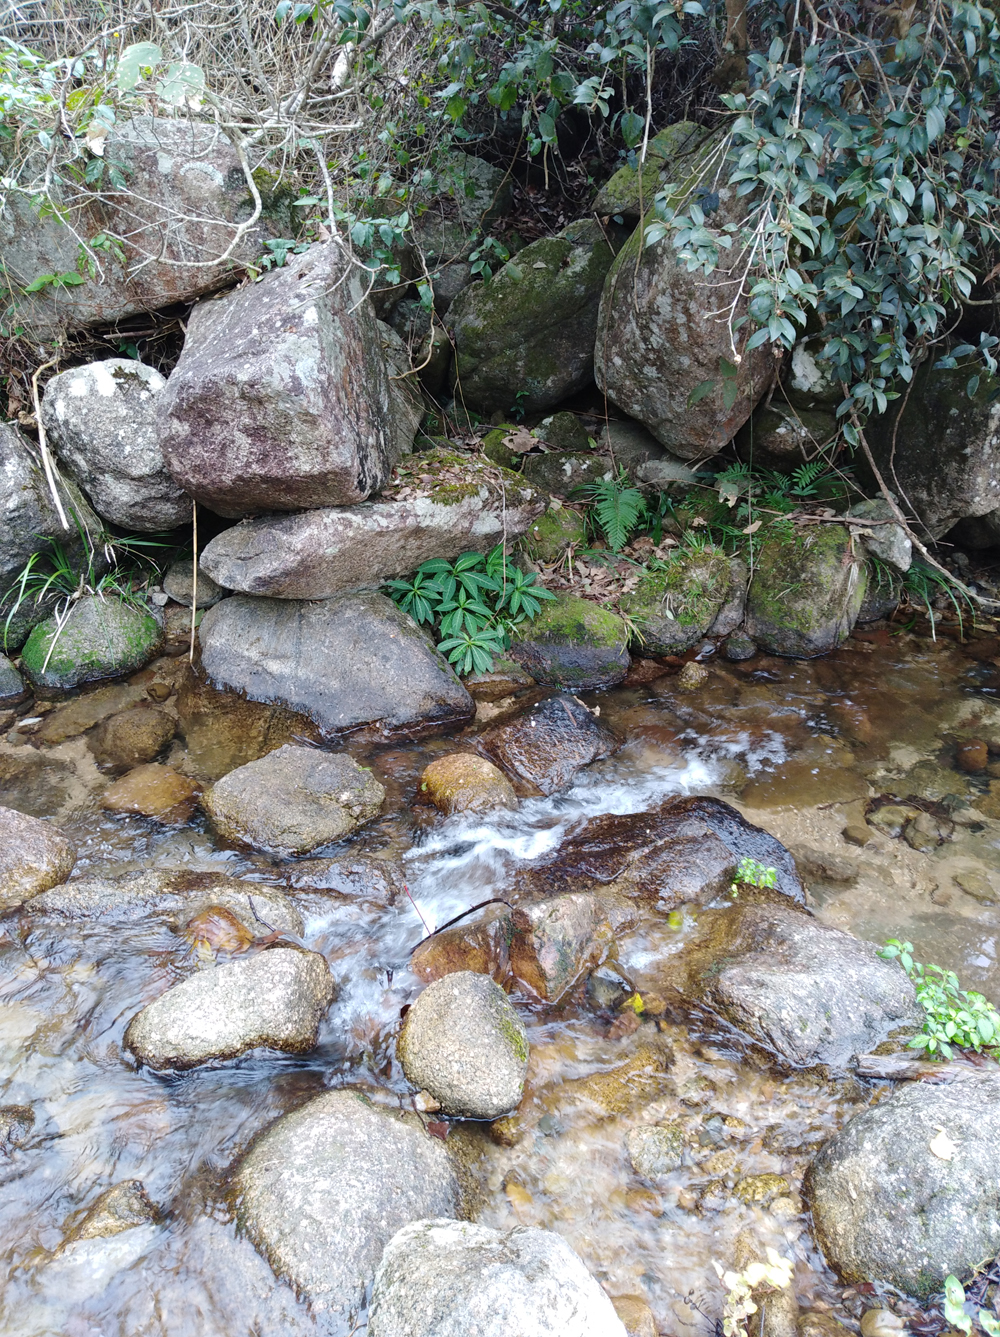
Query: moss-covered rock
column 561, row 472
column 496, row 451
column 527, row 336
column 672, row 609
column 883, row 591
column 620, row 195
column 782, row 438
column 552, row 533
column 563, row 431
column 574, row 643
column 807, row 589
column 101, row 638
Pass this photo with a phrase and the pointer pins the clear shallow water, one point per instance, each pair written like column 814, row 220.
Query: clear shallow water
column 804, row 747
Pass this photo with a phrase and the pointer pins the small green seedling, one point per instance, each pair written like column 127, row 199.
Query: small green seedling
column 956, row 1314
column 954, row 1016
column 750, row 873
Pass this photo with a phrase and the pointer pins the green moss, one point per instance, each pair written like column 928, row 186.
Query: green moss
column 577, row 621
column 674, row 607
column 552, row 533
column 807, row 589
column 620, row 194
column 511, row 1030
column 495, row 450
column 446, row 492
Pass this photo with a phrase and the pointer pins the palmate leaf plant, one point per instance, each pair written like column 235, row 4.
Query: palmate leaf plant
column 955, row 1018
column 474, row 604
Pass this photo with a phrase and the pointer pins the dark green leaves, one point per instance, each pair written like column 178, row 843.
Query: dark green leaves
column 618, row 508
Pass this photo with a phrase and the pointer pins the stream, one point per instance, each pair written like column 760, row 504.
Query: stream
column 804, row 749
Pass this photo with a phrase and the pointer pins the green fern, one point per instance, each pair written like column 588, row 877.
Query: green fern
column 618, row 508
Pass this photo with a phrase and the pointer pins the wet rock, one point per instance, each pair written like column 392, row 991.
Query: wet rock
column 274, row 998
column 505, row 678
column 319, row 553
column 925, row 832
column 527, row 336
column 655, row 1149
column 154, row 791
column 886, row 1207
column 692, row 677
column 464, row 1043
column 573, row 643
column 12, row 689
column 738, row 647
column 760, row 1189
column 479, row 1282
column 978, row 886
column 122, row 1207
column 826, row 867
column 881, row 1323
column 888, row 541
column 16, row 1123
column 480, row 944
column 972, row 757
column 293, row 800
column 29, row 523
column 891, row 818
column 463, row 782
column 378, row 877
column 316, row 431
column 131, row 737
column 949, row 469
column 325, row 1188
column 33, row 857
column 345, row 662
column 883, row 592
column 101, row 638
column 187, row 194
column 551, row 534
column 556, row 942
column 178, row 582
column 806, row 591
column 658, row 339
column 636, row 1316
column 102, row 421
column 806, row 993
column 637, row 1081
column 674, row 608
column 858, row 833
column 547, row 744
column 562, row 472
column 629, row 194
column 730, row 616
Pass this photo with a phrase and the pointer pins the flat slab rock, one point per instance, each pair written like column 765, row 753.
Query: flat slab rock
column 346, row 662
column 319, row 553
column 273, row 998
column 458, row 1279
column 323, row 1190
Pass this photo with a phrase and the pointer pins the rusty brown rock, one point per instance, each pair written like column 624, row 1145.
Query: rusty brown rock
column 131, row 737
column 636, row 1315
column 558, row 941
column 154, row 791
column 119, row 1208
column 481, row 945
column 972, row 757
column 463, row 782
column 218, row 929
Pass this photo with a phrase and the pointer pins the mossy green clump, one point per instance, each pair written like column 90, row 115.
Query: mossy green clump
column 495, row 450
column 552, row 533
column 807, row 589
column 564, row 431
column 574, row 643
column 621, row 193
column 454, row 477
column 673, row 608
column 101, row 638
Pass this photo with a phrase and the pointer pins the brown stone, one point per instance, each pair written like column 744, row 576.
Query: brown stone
column 545, row 745
column 636, row 1315
column 120, row 1208
column 154, row 791
column 640, row 672
column 760, row 1188
column 635, row 1082
column 691, row 677
column 132, row 737
column 505, row 679
column 556, row 942
column 481, row 944
column 972, row 757
column 463, row 782
column 858, row 833
column 218, row 929
column 825, row 867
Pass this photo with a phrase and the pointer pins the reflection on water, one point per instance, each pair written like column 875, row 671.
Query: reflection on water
column 804, row 747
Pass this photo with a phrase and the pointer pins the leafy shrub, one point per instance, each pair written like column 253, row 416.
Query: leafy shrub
column 954, row 1016
column 473, row 603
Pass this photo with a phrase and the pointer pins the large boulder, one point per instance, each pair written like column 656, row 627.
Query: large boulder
column 274, row 998
column 527, row 336
column 315, row 554
column 465, row 1045
column 181, row 220
column 280, row 400
column 324, row 1189
column 674, row 608
column 555, row 942
column 406, row 403
column 946, row 461
column 908, row 1191
column 99, row 638
column 33, row 858
column 660, row 337
column 102, row 421
column 807, row 589
column 543, row 746
column 345, row 662
column 29, row 523
column 629, row 192
column 293, row 800
column 458, row 1279
column 573, row 643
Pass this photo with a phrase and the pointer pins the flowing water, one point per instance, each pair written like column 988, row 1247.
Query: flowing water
column 802, row 748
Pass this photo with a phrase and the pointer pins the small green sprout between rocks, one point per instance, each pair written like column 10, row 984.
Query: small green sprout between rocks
column 954, row 1016
column 750, row 873
column 956, row 1314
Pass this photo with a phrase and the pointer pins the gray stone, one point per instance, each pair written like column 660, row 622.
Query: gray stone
column 527, row 336
column 563, row 431
column 883, row 591
column 946, row 463
column 317, row 554
column 102, row 421
column 349, row 661
column 458, row 1279
column 730, row 616
column 471, row 196
column 806, row 592
column 449, row 281
column 573, row 643
column 784, row 438
column 464, row 1043
column 293, row 800
column 33, row 857
column 185, row 201
column 29, row 523
column 811, row 381
column 121, row 1207
column 659, row 336
column 273, row 998
column 674, row 608
column 632, row 447
column 545, row 745
column 406, row 403
column 178, row 581
column 888, row 541
column 324, row 1189
column 280, row 400
column 887, row 1207
column 655, row 1150
column 12, row 688
column 561, row 472
column 100, row 638
column 738, row 647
